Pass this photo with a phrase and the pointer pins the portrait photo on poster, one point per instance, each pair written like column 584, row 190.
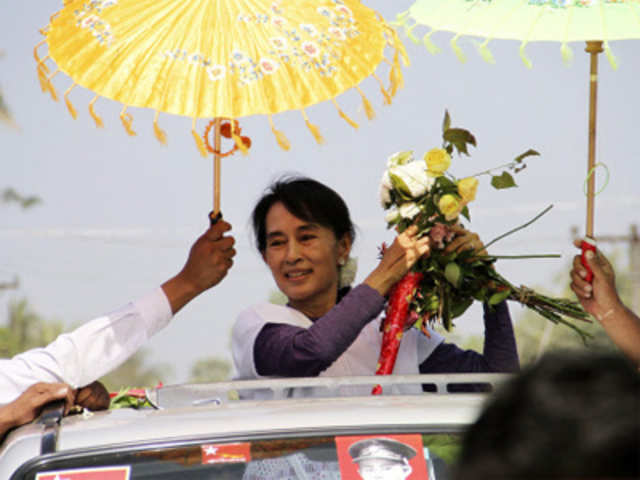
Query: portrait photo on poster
column 381, row 457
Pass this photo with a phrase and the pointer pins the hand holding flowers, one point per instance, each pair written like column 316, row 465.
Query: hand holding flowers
column 425, row 193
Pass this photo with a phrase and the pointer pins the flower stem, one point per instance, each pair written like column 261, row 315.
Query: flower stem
column 488, row 172
column 520, row 227
column 542, row 255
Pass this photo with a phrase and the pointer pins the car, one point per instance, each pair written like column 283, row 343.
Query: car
column 214, row 431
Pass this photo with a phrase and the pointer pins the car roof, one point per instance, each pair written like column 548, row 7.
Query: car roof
column 205, row 412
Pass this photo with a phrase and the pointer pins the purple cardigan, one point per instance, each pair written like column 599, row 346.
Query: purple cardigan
column 289, row 351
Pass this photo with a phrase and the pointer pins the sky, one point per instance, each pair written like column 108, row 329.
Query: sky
column 119, row 213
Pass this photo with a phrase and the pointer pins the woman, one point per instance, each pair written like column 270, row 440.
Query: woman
column 304, row 232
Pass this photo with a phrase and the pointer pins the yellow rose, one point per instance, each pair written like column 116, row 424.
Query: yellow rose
column 450, row 206
column 438, row 161
column 467, row 188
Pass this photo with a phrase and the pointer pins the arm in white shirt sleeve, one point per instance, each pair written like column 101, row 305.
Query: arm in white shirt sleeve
column 88, row 352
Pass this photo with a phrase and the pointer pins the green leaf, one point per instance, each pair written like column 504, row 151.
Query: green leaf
column 445, row 183
column 453, row 274
column 399, row 185
column 526, row 154
column 460, row 307
column 498, row 297
column 480, row 294
column 446, row 123
column 505, row 180
column 455, row 135
column 465, row 213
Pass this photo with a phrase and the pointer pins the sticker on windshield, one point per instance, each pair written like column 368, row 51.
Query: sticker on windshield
column 388, row 457
column 226, row 453
column 94, row 473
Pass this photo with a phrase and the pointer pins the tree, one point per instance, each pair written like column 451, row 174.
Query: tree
column 134, row 373
column 9, row 195
column 25, row 330
column 5, row 113
column 210, row 369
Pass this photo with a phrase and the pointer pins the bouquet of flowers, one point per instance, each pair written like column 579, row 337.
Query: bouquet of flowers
column 441, row 286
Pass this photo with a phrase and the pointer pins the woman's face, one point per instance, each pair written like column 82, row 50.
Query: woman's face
column 303, row 259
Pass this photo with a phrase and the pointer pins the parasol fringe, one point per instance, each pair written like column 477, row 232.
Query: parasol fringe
column 401, row 18
column 610, row 56
column 160, row 134
column 409, row 32
column 399, row 46
column 431, row 47
column 523, row 55
column 457, row 50
column 385, row 94
column 127, row 121
column 567, row 53
column 42, row 77
column 344, row 116
column 395, row 75
column 96, row 118
column 485, row 53
column 283, row 141
column 70, row 106
column 313, row 129
column 202, row 148
column 50, row 87
column 37, row 57
column 368, row 109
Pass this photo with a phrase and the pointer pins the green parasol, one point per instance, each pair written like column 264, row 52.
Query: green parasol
column 595, row 22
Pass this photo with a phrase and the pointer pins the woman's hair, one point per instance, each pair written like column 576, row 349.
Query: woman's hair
column 307, row 199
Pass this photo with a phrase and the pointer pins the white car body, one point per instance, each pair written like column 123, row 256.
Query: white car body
column 203, row 414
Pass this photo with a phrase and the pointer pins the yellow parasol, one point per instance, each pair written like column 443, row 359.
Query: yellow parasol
column 594, row 21
column 220, row 59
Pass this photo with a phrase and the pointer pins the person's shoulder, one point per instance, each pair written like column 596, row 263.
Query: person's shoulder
column 267, row 312
column 262, row 309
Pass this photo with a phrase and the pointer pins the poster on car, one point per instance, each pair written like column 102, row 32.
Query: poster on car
column 381, row 457
column 92, row 473
column 226, row 453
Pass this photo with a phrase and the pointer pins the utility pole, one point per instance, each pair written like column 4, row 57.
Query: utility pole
column 633, row 238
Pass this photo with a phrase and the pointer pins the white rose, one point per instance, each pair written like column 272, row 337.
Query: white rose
column 409, row 210
column 400, row 158
column 385, row 189
column 348, row 272
column 415, row 177
column 392, row 215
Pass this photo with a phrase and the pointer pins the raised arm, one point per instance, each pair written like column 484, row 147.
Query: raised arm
column 500, row 353
column 92, row 350
column 600, row 298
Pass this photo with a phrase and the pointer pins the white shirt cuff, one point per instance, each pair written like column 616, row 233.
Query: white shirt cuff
column 155, row 309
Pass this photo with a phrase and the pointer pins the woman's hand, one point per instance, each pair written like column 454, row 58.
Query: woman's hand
column 405, row 250
column 465, row 240
column 94, row 397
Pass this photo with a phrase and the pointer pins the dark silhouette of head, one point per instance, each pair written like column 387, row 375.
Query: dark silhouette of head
column 569, row 416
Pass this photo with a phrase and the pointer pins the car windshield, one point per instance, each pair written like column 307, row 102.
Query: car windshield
column 379, row 456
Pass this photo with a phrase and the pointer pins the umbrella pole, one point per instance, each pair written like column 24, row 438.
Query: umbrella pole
column 216, row 168
column 588, row 243
column 593, row 48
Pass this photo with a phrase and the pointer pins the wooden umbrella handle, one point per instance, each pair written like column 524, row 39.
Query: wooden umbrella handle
column 594, row 48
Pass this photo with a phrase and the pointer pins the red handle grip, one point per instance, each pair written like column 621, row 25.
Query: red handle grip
column 587, row 245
